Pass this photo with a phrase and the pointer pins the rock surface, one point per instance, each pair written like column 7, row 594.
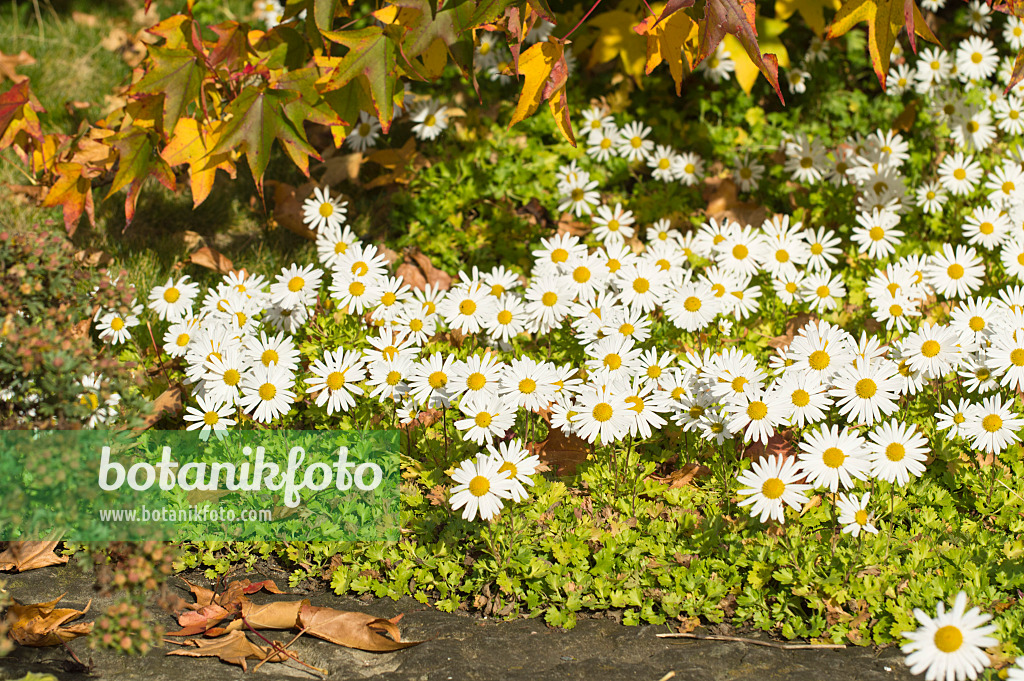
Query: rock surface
column 457, row 647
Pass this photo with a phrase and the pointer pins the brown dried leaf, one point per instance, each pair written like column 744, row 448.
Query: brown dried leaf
column 83, row 19
column 793, row 326
column 10, row 62
column 234, row 648
column 288, row 206
column 169, row 401
column 411, row 275
column 439, row 279
column 721, row 195
column 30, row 555
column 211, row 260
column 275, row 615
column 561, row 454
column 353, row 629
column 342, row 169
column 93, row 257
column 685, row 475
column 37, row 625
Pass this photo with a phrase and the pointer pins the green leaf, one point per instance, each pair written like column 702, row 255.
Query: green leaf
column 137, row 161
column 176, row 74
column 258, row 118
column 323, row 13
column 370, row 54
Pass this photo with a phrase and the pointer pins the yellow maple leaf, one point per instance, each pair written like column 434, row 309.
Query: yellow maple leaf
column 886, row 18
column 768, row 31
column 545, row 73
column 813, row 12
column 667, row 39
column 617, row 39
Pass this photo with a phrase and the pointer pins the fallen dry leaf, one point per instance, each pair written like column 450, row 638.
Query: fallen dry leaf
column 721, row 195
column 234, row 648
column 169, row 402
column 685, row 475
column 560, row 453
column 10, row 62
column 353, row 629
column 93, row 257
column 38, row 625
column 340, row 169
column 411, row 275
column 212, row 260
column 84, row 19
column 288, row 206
column 274, row 615
column 438, row 279
column 793, row 326
column 30, row 555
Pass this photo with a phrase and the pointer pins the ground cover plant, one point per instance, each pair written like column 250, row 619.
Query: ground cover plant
column 723, row 361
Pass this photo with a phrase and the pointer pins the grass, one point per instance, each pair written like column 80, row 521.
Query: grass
column 72, row 65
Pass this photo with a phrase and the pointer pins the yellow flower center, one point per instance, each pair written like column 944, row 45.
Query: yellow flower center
column 467, row 307
column 861, row 517
column 437, row 380
column 296, row 284
column 866, row 388
column 757, row 410
column 773, row 488
column 833, row 457
column 930, row 348
column 483, row 419
column 602, row 412
column 504, row 317
column 955, row 271
column 612, row 361
column 171, row 295
column 211, row 418
column 948, row 639
column 895, row 451
column 800, row 398
column 268, row 391
column 992, row 423
column 326, row 210
column 479, row 486
column 232, row 377
column 819, row 360
column 335, row 380
column 641, row 285
column 549, row 299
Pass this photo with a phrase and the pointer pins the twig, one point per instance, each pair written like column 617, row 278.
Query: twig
column 72, row 654
column 670, row 675
column 286, row 645
column 756, row 642
column 277, row 648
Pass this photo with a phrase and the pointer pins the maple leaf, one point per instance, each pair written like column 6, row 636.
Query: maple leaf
column 189, row 143
column 371, row 54
column 258, row 118
column 886, row 18
column 43, row 624
column 30, row 555
column 618, row 39
column 72, row 191
column 736, row 17
column 231, row 48
column 813, row 11
column 666, row 38
column 176, row 75
column 17, row 112
column 745, row 69
column 545, row 73
column 234, row 648
column 137, row 162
